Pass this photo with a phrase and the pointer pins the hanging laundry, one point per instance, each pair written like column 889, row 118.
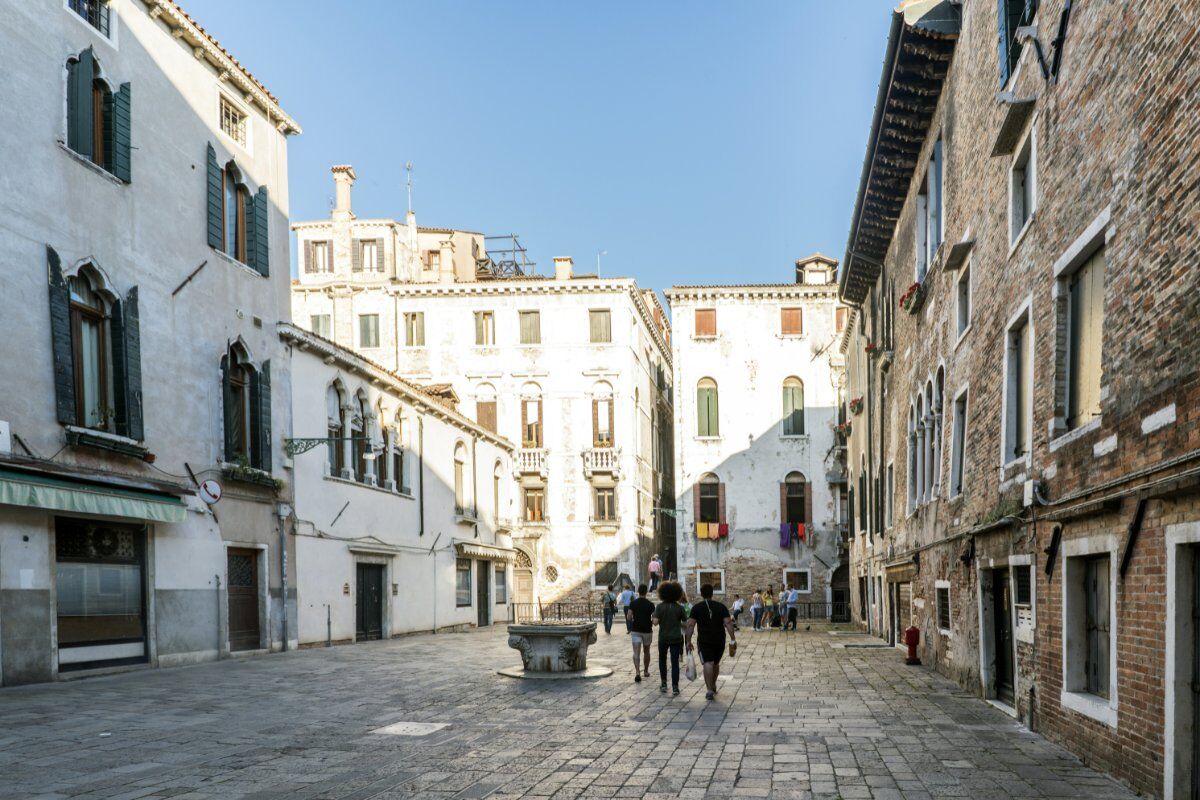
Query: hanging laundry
column 801, row 533
column 785, row 534
column 701, row 530
column 723, row 529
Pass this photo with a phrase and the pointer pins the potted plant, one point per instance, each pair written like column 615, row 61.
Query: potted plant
column 871, row 349
column 844, row 428
column 856, row 406
column 912, row 298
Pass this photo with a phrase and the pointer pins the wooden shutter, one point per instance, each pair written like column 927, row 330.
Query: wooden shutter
column 486, row 413
column 105, row 156
column 595, row 422
column 251, row 233
column 119, row 378
column 310, row 264
column 122, row 133
column 260, row 416
column 807, row 506
column 227, row 408
column 479, row 338
column 695, row 503
column 721, row 502
column 706, row 322
column 356, row 255
column 1002, row 24
column 132, row 325
column 260, row 243
column 79, row 103
column 329, row 264
column 379, row 255
column 783, row 515
column 791, row 321
column 216, row 202
column 60, row 341
column 420, row 340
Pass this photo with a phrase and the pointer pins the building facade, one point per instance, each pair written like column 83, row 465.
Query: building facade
column 147, row 265
column 1023, row 442
column 575, row 370
column 757, row 374
column 401, row 503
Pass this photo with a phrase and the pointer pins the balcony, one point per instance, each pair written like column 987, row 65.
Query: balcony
column 606, row 525
column 602, row 460
column 530, row 460
column 465, row 515
column 504, row 524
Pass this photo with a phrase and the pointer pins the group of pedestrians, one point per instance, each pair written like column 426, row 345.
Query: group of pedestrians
column 707, row 622
column 767, row 611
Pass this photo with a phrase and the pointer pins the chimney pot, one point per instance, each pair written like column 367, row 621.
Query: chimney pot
column 343, row 179
column 563, row 268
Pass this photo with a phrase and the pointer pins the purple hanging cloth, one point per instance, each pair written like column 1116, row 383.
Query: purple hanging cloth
column 785, row 534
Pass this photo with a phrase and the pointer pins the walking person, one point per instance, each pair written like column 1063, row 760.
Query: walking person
column 756, row 609
column 710, row 621
column 655, row 572
column 738, row 606
column 639, row 616
column 610, row 609
column 669, row 617
column 625, row 598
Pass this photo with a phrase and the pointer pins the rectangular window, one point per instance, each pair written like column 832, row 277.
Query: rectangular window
column 605, row 574
column 1012, row 15
column 93, row 12
column 368, row 330
column 1019, row 392
column 943, row 607
column 862, row 599
column 840, row 315
column 958, row 445
column 602, row 422
column 794, row 501
column 414, row 329
column 791, row 321
column 462, row 582
column 963, row 300
column 531, row 327
column 710, row 502
column 531, row 423
column 1085, row 331
column 485, row 414
column 713, row 577
column 606, row 503
column 706, row 323
column 793, row 407
column 889, row 501
column 1096, row 621
column 433, row 260
column 935, row 205
column 1022, row 187
column 485, row 328
column 798, row 579
column 535, row 504
column 1023, row 585
column 320, row 257
column 233, row 121
column 600, row 324
column 501, row 584
column 322, row 325
column 368, row 255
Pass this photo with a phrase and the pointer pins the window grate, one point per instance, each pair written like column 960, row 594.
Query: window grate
column 943, row 607
column 94, row 12
column 233, row 122
column 1024, row 586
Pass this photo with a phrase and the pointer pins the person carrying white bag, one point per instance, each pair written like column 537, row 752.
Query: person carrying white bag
column 710, row 621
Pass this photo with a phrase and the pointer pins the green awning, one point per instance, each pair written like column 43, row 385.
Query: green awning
column 39, row 491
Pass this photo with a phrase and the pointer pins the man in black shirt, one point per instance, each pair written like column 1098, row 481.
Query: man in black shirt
column 710, row 621
column 639, row 616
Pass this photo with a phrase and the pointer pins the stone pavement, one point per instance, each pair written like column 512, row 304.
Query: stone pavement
column 798, row 717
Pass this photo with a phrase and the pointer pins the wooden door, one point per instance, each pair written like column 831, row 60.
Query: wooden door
column 242, row 586
column 483, row 583
column 1195, row 791
column 1002, row 636
column 368, row 622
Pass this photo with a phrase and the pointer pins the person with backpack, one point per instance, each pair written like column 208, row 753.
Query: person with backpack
column 710, row 621
column 610, row 609
column 623, row 601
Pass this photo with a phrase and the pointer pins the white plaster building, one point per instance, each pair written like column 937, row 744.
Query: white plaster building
column 144, row 226
column 756, row 408
column 401, row 503
column 573, row 369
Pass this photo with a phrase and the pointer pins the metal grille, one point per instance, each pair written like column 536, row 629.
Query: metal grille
column 523, row 560
column 94, row 12
column 95, row 543
column 551, row 573
column 241, row 571
column 233, row 122
column 943, row 608
column 1021, row 577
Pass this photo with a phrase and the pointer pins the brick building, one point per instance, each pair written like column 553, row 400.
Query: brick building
column 1024, row 447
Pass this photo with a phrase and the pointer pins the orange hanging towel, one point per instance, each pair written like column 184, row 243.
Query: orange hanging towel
column 800, row 532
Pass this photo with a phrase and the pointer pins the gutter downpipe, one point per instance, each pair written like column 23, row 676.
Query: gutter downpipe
column 283, row 579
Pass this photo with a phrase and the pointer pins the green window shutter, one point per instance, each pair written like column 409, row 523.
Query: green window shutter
column 79, row 103
column 251, row 232
column 122, row 131
column 120, row 379
column 227, row 409
column 131, row 319
column 216, row 201
column 261, row 241
column 106, row 158
column 262, row 426
column 356, row 248
column 60, row 341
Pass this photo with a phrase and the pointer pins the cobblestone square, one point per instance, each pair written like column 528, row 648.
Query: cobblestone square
column 799, row 715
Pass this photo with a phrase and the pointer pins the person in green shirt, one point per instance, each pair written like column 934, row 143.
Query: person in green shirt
column 669, row 616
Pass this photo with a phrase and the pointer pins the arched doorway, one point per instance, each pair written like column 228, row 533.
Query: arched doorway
column 523, row 578
column 840, row 594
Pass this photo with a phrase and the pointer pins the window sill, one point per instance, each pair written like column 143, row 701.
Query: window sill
column 704, row 338
column 111, row 39
column 250, row 475
column 962, row 335
column 791, row 336
column 225, row 256
column 87, row 162
column 708, row 438
column 1091, row 706
column 242, row 146
column 1075, row 433
column 944, row 632
column 795, row 437
column 103, row 440
column 1015, row 243
column 465, row 519
column 372, row 486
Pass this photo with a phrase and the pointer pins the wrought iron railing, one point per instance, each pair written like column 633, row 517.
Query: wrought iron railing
column 557, row 612
column 833, row 612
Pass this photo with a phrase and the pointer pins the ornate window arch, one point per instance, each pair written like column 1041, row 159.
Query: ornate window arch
column 707, row 414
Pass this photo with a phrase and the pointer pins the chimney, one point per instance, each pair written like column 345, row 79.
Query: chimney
column 563, row 268
column 343, row 179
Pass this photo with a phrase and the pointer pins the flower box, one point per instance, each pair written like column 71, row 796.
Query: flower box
column 856, row 406
column 913, row 298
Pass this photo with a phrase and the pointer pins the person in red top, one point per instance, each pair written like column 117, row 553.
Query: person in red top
column 655, row 572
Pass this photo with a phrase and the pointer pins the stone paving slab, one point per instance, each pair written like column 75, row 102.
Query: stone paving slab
column 796, row 717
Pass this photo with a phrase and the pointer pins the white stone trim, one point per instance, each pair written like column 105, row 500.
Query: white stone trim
column 806, row 571
column 1159, row 419
column 1175, row 538
column 1097, row 708
column 716, row 589
column 947, row 632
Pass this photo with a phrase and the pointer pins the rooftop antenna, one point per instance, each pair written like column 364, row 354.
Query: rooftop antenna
column 408, row 169
column 598, row 254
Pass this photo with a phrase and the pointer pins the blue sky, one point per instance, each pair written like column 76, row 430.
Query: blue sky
column 696, row 142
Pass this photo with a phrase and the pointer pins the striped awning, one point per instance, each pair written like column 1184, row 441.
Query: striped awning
column 56, row 494
column 487, row 552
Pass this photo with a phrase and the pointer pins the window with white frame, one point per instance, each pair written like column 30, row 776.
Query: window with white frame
column 485, row 328
column 233, row 121
column 962, row 295
column 322, row 325
column 368, row 330
column 889, row 500
column 798, row 579
column 958, row 444
column 929, row 212
column 1085, row 332
column 1022, row 186
column 462, row 582
column 943, row 607
column 318, row 256
column 1022, row 580
column 1018, row 407
column 414, row 329
column 96, row 13
column 713, row 577
column 501, row 581
column 531, row 326
column 1088, row 611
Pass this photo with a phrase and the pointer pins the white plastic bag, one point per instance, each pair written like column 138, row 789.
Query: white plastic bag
column 690, row 669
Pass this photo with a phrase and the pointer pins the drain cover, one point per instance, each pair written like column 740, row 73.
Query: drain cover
column 411, row 728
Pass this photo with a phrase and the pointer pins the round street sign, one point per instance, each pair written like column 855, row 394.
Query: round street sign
column 210, row 491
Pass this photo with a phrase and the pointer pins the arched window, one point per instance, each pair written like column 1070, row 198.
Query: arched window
column 531, row 416
column 497, row 507
column 90, row 329
column 485, row 406
column 793, row 407
column 98, row 119
column 398, row 448
column 236, row 199
column 912, row 458
column 333, row 423
column 239, row 422
column 602, row 415
column 709, row 496
column 460, row 464
column 707, row 418
column 358, row 433
column 795, row 499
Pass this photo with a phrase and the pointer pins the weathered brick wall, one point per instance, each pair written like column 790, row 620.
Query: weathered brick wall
column 1115, row 132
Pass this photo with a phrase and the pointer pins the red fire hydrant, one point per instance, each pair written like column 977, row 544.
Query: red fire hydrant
column 912, row 638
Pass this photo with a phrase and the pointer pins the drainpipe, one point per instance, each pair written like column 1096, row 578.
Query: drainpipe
column 283, row 577
column 218, row 580
column 421, row 475
column 475, row 486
